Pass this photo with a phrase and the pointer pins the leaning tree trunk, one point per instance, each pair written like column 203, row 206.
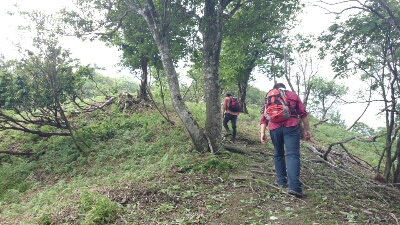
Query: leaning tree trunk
column 159, row 33
column 58, row 107
column 212, row 40
column 195, row 131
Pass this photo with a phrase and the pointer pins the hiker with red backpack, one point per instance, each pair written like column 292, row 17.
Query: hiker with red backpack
column 281, row 113
column 230, row 112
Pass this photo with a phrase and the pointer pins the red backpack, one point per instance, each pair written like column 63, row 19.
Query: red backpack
column 276, row 109
column 234, row 105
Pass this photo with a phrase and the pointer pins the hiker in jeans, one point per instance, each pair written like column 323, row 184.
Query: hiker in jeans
column 287, row 134
column 228, row 115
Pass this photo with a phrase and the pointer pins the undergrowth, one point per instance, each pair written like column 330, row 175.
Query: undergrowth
column 141, row 169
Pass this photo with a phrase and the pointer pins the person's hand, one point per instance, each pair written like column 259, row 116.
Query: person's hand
column 222, row 115
column 263, row 138
column 307, row 135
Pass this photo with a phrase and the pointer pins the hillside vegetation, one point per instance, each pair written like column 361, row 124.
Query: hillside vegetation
column 140, row 169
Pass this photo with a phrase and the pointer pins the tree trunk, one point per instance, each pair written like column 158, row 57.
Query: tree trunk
column 212, row 40
column 242, row 89
column 396, row 173
column 159, row 33
column 52, row 78
column 143, row 84
column 243, row 82
column 389, row 128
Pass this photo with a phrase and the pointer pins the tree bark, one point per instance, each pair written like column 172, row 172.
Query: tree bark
column 243, row 82
column 242, row 87
column 143, row 84
column 396, row 173
column 212, row 40
column 159, row 33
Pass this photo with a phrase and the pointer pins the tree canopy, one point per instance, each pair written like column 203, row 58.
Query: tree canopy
column 179, row 28
column 366, row 45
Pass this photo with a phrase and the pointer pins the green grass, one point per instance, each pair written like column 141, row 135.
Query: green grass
column 140, row 169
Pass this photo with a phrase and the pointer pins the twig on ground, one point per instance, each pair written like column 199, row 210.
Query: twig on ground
column 394, row 217
column 235, row 149
column 123, row 219
column 262, row 172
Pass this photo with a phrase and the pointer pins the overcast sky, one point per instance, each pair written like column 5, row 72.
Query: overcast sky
column 313, row 21
column 95, row 52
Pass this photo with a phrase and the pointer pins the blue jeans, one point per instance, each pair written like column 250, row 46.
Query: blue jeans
column 287, row 171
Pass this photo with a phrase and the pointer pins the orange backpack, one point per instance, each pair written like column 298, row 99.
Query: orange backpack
column 276, row 108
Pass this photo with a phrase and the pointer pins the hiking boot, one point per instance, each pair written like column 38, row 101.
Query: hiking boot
column 233, row 140
column 280, row 185
column 297, row 194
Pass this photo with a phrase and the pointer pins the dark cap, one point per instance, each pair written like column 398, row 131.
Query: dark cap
column 228, row 94
column 279, row 85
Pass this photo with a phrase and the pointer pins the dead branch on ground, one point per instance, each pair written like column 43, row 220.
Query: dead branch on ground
column 336, row 143
column 235, row 149
column 17, row 153
column 372, row 139
column 95, row 107
column 320, row 122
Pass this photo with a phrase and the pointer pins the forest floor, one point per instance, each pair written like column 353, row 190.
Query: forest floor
column 343, row 194
column 339, row 191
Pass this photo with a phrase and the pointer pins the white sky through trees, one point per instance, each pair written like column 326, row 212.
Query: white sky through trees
column 313, row 21
column 95, row 52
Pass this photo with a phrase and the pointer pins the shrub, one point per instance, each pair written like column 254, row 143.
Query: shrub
column 98, row 209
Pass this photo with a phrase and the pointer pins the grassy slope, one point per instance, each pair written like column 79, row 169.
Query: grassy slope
column 141, row 170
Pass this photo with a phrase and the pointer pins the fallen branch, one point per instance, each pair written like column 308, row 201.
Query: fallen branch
column 349, row 154
column 235, row 149
column 315, row 151
column 17, row 153
column 93, row 107
column 332, row 164
column 262, row 152
column 262, row 172
column 370, row 183
column 336, row 143
column 320, row 122
column 372, row 139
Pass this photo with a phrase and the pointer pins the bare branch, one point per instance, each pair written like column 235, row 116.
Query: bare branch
column 119, row 25
column 339, row 12
column 41, row 134
column 356, row 102
column 370, row 94
column 336, row 143
column 96, row 107
column 392, row 20
column 236, row 7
